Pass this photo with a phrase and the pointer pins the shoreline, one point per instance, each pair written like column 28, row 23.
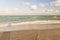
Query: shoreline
column 31, row 22
column 33, row 25
column 30, row 27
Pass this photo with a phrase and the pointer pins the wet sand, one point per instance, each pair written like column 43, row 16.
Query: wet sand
column 30, row 27
column 31, row 32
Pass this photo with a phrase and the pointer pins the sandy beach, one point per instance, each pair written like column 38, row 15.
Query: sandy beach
column 31, row 31
column 50, row 34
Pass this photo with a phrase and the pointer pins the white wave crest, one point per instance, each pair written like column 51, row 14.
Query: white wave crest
column 32, row 22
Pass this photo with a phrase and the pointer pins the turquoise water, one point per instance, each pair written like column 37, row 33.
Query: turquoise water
column 24, row 18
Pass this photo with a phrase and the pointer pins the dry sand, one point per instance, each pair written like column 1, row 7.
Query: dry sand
column 53, row 34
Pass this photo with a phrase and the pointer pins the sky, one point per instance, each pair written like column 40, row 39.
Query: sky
column 29, row 7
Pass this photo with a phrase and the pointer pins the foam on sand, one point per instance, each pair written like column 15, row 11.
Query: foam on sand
column 32, row 22
column 29, row 26
column 36, row 22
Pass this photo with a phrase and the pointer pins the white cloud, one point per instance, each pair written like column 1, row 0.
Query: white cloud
column 50, row 12
column 33, row 7
column 24, row 3
column 17, row 11
column 42, row 5
column 56, row 3
column 10, row 11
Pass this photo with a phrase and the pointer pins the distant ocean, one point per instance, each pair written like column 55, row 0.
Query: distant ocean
column 25, row 18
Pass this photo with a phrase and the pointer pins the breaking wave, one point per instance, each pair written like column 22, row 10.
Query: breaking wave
column 32, row 22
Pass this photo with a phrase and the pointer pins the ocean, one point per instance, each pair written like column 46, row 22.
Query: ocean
column 29, row 22
column 27, row 18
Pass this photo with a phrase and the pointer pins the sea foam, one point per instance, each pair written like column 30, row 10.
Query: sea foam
column 32, row 22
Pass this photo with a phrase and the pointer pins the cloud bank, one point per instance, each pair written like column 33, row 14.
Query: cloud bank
column 56, row 3
column 17, row 11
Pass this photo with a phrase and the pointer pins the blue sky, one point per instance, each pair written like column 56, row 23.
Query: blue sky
column 23, row 7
